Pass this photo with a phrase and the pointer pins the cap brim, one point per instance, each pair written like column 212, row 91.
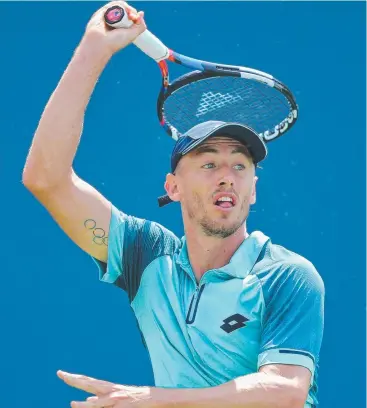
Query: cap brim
column 242, row 134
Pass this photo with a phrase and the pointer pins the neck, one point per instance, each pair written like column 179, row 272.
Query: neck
column 207, row 253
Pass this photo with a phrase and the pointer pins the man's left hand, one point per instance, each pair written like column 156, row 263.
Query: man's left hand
column 107, row 394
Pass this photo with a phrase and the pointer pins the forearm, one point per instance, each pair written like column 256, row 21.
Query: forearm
column 251, row 391
column 58, row 134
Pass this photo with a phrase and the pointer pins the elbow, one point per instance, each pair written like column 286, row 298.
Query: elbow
column 32, row 183
column 38, row 187
column 40, row 182
column 28, row 180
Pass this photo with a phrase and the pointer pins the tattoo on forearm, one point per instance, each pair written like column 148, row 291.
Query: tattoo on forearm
column 99, row 234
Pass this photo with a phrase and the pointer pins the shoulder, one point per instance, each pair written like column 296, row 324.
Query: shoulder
column 279, row 268
column 142, row 233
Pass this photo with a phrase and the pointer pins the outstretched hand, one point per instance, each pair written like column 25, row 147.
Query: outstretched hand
column 106, row 394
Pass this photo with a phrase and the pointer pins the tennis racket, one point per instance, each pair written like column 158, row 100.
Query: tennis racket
column 211, row 91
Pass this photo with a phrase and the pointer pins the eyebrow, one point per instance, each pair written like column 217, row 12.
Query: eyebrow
column 205, row 149
column 210, row 149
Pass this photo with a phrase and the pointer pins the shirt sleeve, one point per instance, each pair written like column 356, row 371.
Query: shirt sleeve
column 133, row 243
column 293, row 322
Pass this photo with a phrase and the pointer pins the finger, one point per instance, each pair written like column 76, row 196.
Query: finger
column 128, row 8
column 102, row 402
column 88, row 384
column 140, row 18
column 92, row 398
column 85, row 404
column 133, row 17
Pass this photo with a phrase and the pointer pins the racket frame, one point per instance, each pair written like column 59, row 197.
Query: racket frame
column 204, row 70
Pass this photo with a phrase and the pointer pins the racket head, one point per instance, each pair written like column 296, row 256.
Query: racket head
column 225, row 93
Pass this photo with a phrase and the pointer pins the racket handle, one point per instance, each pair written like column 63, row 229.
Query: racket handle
column 116, row 17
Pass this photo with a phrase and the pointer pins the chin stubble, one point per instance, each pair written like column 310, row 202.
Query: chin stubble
column 210, row 227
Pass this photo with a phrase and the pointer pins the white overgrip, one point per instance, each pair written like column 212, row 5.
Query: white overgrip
column 152, row 46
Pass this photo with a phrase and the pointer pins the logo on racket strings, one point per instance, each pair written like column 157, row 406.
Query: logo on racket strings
column 210, row 101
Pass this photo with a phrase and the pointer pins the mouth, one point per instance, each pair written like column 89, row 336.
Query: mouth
column 225, row 201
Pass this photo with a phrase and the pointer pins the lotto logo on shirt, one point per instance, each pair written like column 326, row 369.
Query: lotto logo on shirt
column 234, row 322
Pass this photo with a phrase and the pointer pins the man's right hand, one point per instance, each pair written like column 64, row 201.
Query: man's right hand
column 111, row 40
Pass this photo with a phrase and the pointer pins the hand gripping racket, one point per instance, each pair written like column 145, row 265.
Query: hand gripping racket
column 212, row 91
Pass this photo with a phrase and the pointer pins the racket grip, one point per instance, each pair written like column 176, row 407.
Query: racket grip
column 152, row 46
column 116, row 17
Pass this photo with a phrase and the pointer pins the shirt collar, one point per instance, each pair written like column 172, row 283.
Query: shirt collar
column 183, row 256
column 242, row 261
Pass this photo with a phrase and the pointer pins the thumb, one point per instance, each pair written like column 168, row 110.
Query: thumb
column 139, row 25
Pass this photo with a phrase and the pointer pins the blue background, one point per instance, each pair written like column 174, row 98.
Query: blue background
column 54, row 312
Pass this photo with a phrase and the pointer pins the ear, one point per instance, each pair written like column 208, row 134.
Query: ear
column 171, row 187
column 253, row 194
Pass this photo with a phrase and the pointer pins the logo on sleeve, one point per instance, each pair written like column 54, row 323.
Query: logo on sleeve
column 233, row 323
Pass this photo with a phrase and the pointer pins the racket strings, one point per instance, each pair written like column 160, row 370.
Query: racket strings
column 229, row 99
column 211, row 101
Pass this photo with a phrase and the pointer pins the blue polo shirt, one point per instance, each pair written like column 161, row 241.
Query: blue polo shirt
column 266, row 306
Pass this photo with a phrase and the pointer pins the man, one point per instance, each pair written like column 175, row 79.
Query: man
column 229, row 318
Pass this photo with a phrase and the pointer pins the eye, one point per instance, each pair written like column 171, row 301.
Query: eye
column 239, row 167
column 208, row 166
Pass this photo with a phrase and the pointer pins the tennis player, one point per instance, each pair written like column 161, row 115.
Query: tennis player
column 228, row 317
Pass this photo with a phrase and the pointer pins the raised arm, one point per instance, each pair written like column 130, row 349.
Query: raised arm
column 81, row 211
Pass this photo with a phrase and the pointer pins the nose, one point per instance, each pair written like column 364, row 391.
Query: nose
column 226, row 179
column 226, row 182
